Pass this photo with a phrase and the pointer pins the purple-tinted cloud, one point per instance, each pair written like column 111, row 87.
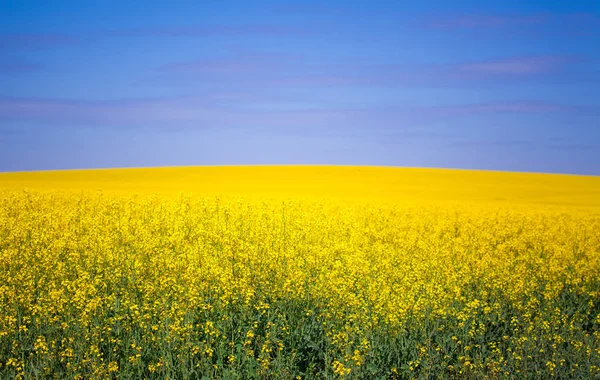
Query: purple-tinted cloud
column 519, row 107
column 117, row 113
column 433, row 114
column 543, row 26
column 34, row 41
column 240, row 64
column 313, row 9
column 493, row 143
column 164, row 113
column 212, row 30
column 484, row 21
column 515, row 66
column 17, row 67
column 289, row 71
column 479, row 21
column 198, row 113
column 576, row 147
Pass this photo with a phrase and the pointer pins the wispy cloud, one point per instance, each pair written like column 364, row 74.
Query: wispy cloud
column 163, row 113
column 289, row 71
column 34, row 41
column 17, row 67
column 111, row 113
column 25, row 41
column 576, row 147
column 493, row 143
column 526, row 25
column 447, row 113
column 198, row 113
column 519, row 107
column 212, row 30
column 484, row 21
column 515, row 66
column 241, row 63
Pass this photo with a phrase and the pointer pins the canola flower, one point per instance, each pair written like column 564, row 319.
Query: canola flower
column 127, row 283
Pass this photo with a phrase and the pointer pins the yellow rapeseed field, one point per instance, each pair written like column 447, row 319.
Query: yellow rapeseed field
column 299, row 272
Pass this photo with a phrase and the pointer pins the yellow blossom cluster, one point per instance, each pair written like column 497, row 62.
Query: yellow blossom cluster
column 119, row 285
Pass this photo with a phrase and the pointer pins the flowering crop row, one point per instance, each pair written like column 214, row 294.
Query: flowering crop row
column 100, row 286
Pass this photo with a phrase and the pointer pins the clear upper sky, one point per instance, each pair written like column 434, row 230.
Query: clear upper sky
column 501, row 85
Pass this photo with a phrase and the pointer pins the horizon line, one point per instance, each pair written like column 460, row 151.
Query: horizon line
column 433, row 168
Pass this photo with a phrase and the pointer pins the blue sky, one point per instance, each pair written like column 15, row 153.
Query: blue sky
column 499, row 85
